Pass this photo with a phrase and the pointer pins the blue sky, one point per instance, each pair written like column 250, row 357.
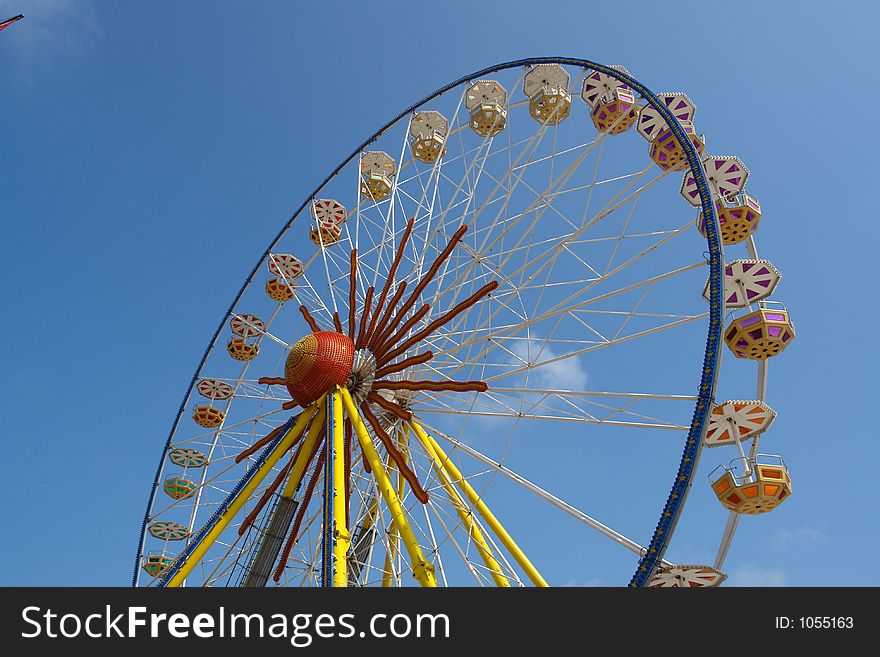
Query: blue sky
column 135, row 135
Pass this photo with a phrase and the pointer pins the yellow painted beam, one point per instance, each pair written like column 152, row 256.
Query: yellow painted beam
column 242, row 497
column 372, row 512
column 464, row 513
column 394, row 535
column 422, row 569
column 478, row 504
column 341, row 535
column 369, row 519
column 302, row 460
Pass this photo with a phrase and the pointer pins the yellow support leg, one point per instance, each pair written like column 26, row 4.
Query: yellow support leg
column 372, row 512
column 390, row 556
column 366, row 524
column 242, row 497
column 341, row 536
column 422, row 570
column 302, row 460
column 478, row 504
column 394, row 535
column 464, row 514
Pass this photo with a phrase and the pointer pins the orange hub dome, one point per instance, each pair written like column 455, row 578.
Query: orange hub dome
column 316, row 363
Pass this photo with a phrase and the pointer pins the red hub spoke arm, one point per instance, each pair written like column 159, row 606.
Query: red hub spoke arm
column 444, row 255
column 309, row 319
column 352, row 293
column 381, row 329
column 395, row 455
column 365, row 315
column 406, row 362
column 265, row 498
column 407, row 325
column 433, row 386
column 390, row 406
column 437, row 323
column 303, row 506
column 390, row 279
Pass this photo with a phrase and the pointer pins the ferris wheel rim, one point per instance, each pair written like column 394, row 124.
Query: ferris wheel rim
column 670, row 514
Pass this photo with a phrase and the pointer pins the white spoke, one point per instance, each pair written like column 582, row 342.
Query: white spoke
column 606, row 531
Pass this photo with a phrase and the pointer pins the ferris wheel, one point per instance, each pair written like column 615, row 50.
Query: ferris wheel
column 484, row 349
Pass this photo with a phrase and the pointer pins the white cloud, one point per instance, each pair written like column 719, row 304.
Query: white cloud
column 754, row 576
column 784, row 538
column 564, row 374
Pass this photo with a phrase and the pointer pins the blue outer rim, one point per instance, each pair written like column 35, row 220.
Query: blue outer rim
column 693, row 445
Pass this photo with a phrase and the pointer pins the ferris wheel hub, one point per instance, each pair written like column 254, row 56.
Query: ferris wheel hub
column 316, row 364
column 363, row 373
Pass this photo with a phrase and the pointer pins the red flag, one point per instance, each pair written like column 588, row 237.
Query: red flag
column 10, row 21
